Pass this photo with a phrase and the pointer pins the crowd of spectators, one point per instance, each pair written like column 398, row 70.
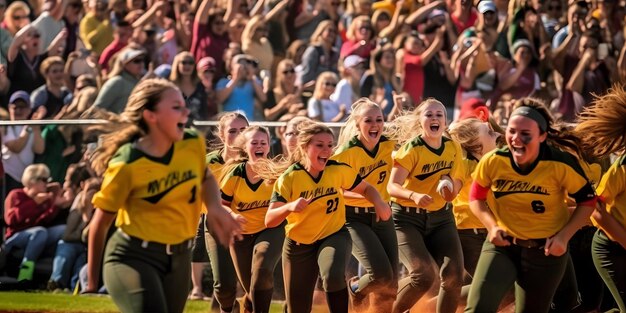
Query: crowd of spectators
column 273, row 60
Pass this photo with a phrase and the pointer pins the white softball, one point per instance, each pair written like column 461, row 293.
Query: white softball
column 444, row 182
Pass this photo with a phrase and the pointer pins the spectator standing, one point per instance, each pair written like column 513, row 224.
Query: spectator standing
column 5, row 36
column 20, row 142
column 121, row 37
column 53, row 94
column 185, row 76
column 16, row 17
column 128, row 69
column 241, row 90
column 209, row 36
column 96, row 30
column 50, row 22
column 25, row 60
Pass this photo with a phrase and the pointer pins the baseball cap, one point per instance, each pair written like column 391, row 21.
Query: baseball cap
column 21, row 95
column 129, row 54
column 486, row 6
column 352, row 61
column 205, row 63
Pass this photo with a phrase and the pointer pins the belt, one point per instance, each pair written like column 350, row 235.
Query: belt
column 361, row 210
column 417, row 210
column 527, row 243
column 476, row 231
column 169, row 249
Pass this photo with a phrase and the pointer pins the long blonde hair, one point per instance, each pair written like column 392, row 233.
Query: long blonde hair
column 351, row 128
column 602, row 125
column 407, row 126
column 240, row 148
column 316, row 38
column 219, row 135
column 129, row 125
column 175, row 75
column 272, row 169
column 466, row 134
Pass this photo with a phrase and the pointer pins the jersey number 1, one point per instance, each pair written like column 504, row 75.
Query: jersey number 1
column 193, row 195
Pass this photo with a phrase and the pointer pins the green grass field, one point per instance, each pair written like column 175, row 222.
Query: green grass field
column 49, row 302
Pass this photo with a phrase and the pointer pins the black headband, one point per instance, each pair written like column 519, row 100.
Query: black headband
column 532, row 114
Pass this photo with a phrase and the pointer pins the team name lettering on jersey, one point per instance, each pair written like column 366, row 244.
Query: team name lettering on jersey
column 160, row 187
column 505, row 187
column 431, row 169
column 257, row 204
column 318, row 193
column 367, row 170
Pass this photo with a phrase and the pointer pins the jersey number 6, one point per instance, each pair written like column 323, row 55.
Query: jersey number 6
column 332, row 205
column 538, row 206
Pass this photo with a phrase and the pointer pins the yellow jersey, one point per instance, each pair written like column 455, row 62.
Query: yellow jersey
column 612, row 188
column 463, row 216
column 215, row 163
column 373, row 166
column 156, row 199
column 325, row 214
column 531, row 204
column 248, row 199
column 426, row 165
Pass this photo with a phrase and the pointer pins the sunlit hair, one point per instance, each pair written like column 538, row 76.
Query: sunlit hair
column 558, row 134
column 381, row 75
column 318, row 92
column 220, row 133
column 176, row 76
column 407, row 126
column 355, row 26
column 239, row 147
column 602, row 125
column 271, row 170
column 10, row 11
column 129, row 125
column 466, row 133
column 316, row 38
column 351, row 128
column 32, row 172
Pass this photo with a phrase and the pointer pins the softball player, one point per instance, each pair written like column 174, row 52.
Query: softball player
column 224, row 276
column 425, row 176
column 476, row 138
column 309, row 194
column 527, row 219
column 247, row 197
column 156, row 182
column 374, row 243
column 603, row 132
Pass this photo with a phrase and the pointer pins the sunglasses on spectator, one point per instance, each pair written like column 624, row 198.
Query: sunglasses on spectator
column 188, row 62
column 43, row 179
column 365, row 28
column 289, row 71
column 19, row 17
column 76, row 5
column 138, row 61
column 330, row 84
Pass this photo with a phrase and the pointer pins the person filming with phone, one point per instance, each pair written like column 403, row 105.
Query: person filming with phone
column 28, row 214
